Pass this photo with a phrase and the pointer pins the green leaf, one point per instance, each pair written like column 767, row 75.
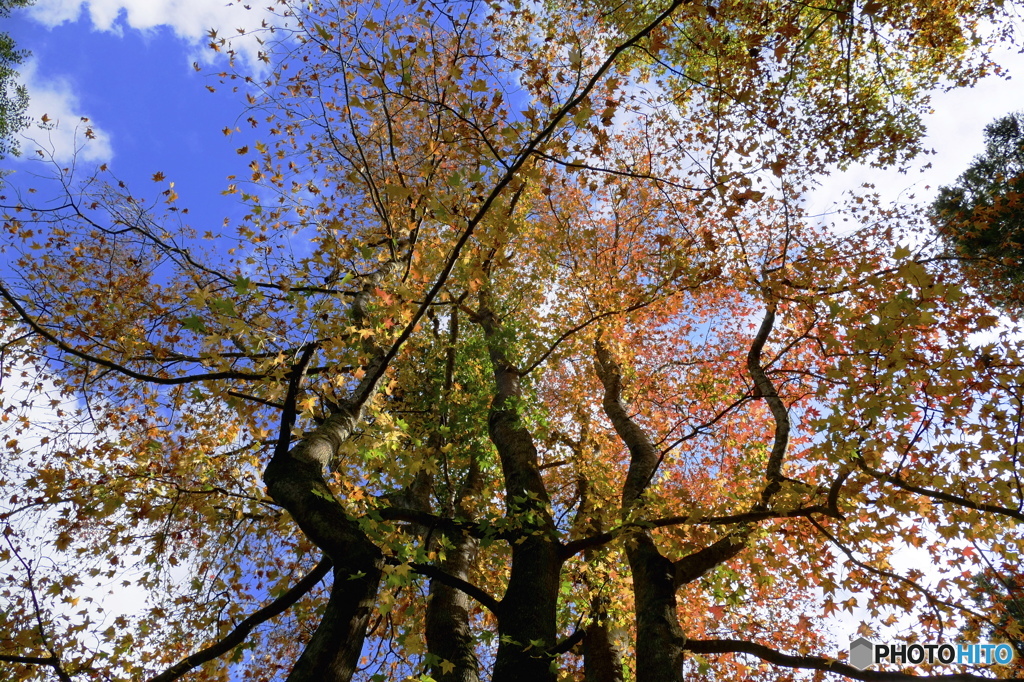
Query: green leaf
column 222, row 306
column 322, row 494
column 242, row 285
column 194, row 323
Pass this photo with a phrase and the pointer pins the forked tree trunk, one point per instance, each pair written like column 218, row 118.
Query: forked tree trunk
column 659, row 639
column 527, row 617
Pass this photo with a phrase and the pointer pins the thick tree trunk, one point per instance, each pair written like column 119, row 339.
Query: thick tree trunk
column 602, row 659
column 659, row 640
column 527, row 618
column 297, row 484
column 295, row 480
column 447, row 621
column 526, row 622
column 333, row 652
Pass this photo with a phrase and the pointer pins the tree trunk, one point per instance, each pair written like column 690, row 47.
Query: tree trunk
column 447, row 621
column 602, row 659
column 659, row 640
column 333, row 652
column 527, row 618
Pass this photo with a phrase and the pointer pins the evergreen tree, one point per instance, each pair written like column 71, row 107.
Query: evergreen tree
column 981, row 216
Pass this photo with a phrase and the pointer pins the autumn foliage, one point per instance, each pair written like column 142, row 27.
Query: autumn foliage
column 525, row 361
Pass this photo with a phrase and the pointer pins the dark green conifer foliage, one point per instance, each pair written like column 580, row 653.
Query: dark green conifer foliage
column 981, row 217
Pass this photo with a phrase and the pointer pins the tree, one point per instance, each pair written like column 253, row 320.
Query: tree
column 13, row 97
column 524, row 364
column 980, row 217
column 1002, row 592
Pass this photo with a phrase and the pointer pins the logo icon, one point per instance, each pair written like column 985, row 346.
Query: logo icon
column 862, row 653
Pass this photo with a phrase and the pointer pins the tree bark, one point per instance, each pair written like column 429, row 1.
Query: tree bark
column 447, row 621
column 527, row 618
column 602, row 658
column 333, row 652
column 295, row 480
column 659, row 639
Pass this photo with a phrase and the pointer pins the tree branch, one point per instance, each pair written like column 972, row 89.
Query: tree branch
column 576, row 546
column 486, row 600
column 242, row 630
column 766, row 390
column 109, row 364
column 738, row 646
column 937, row 494
column 51, row 661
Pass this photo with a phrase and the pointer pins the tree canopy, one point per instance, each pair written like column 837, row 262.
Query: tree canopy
column 13, row 97
column 981, row 217
column 525, row 361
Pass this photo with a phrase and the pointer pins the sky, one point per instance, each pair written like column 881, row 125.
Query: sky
column 955, row 135
column 128, row 66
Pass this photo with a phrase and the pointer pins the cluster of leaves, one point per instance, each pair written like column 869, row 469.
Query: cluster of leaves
column 523, row 358
column 1002, row 592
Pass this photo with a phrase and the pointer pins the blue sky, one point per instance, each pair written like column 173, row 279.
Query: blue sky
column 133, row 78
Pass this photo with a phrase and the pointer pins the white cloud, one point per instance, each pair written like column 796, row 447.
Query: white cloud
column 67, row 134
column 190, row 20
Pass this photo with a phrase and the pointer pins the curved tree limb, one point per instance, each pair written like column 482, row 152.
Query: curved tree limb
column 109, row 364
column 51, row 661
column 659, row 638
column 242, row 630
column 580, row 544
column 766, row 390
column 441, row 576
column 527, row 623
column 898, row 482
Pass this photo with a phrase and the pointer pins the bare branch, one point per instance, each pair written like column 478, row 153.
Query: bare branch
column 242, row 630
